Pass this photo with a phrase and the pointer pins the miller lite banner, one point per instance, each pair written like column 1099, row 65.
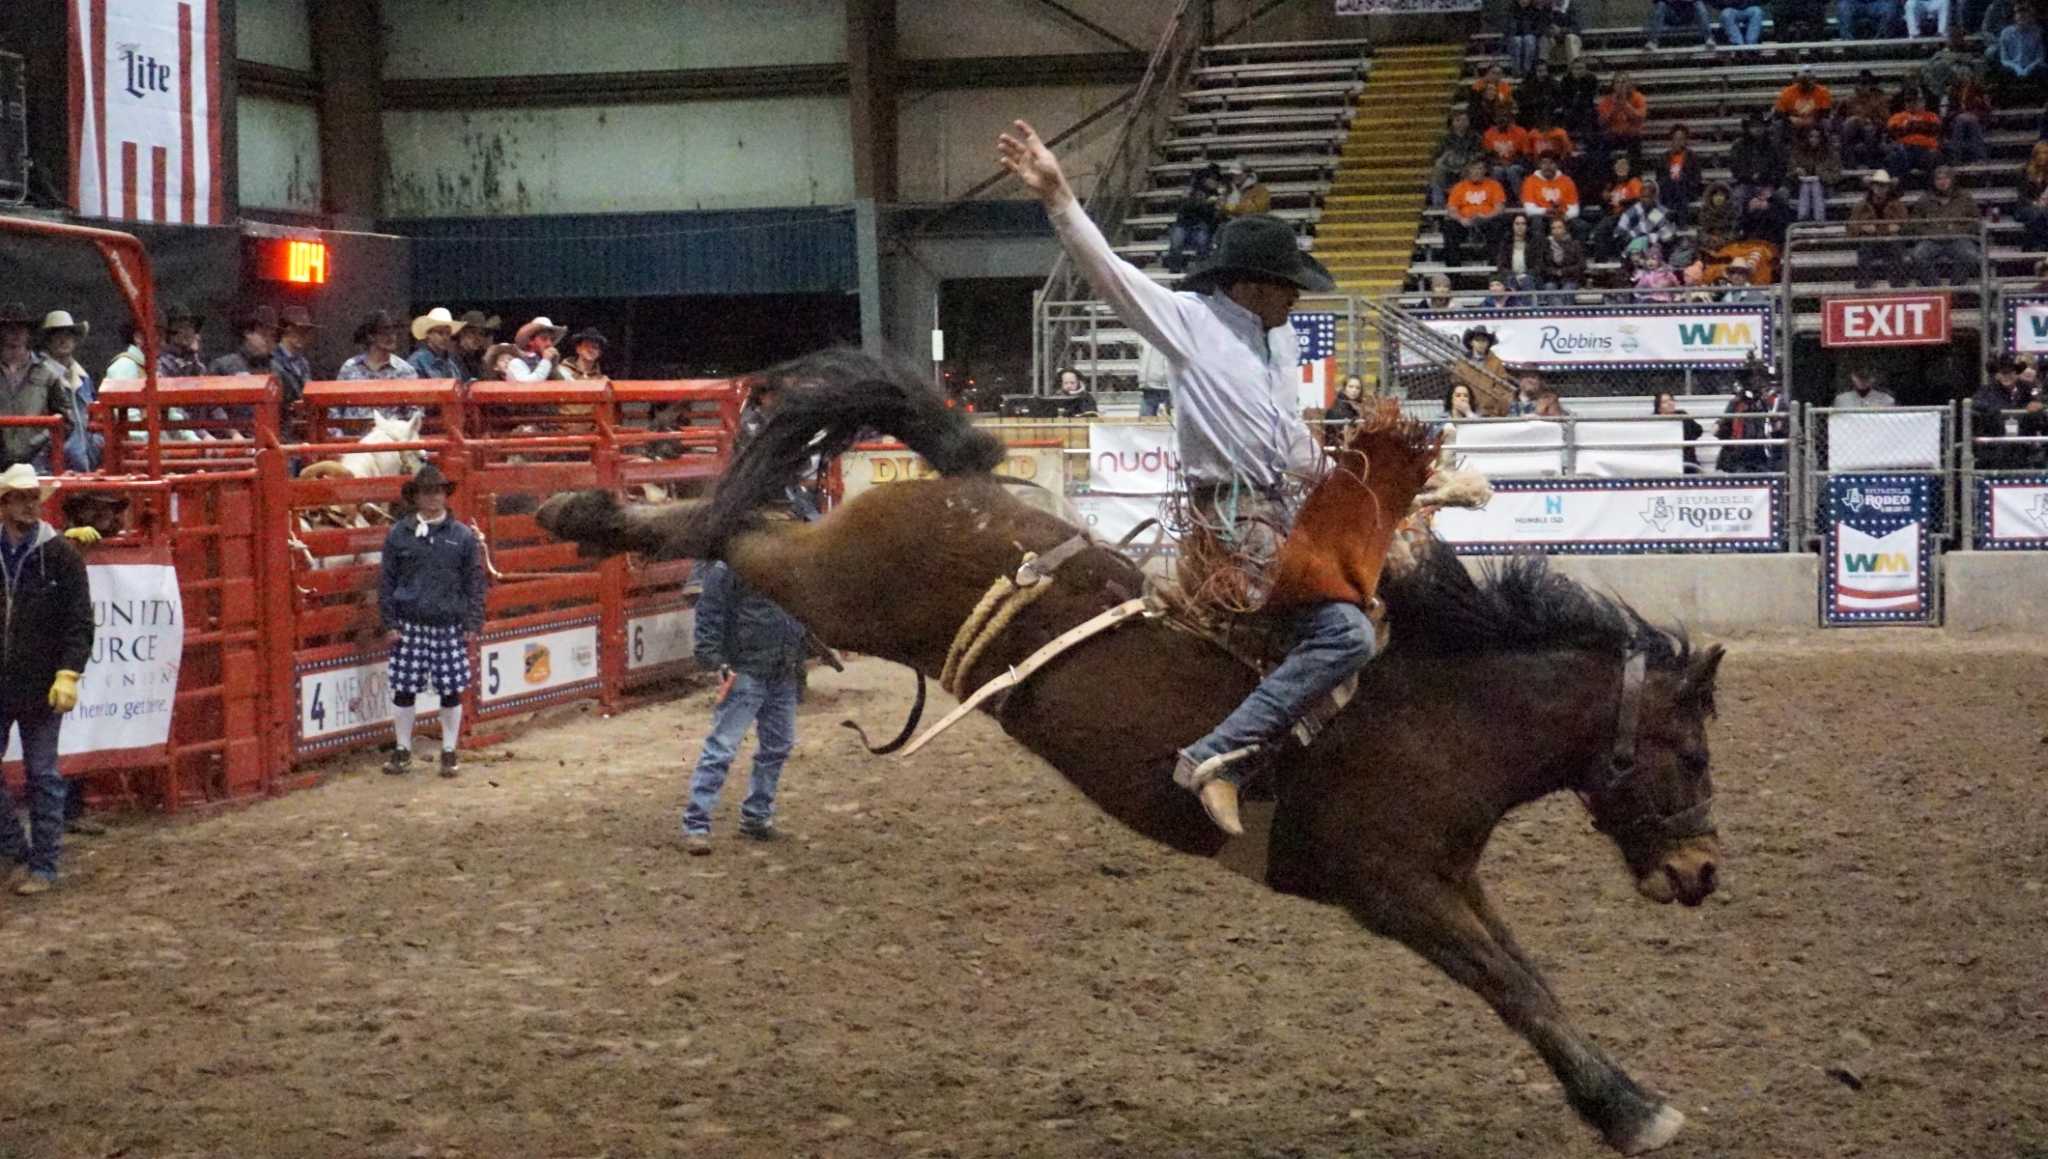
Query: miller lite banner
column 2012, row 513
column 1625, row 338
column 1885, row 320
column 145, row 110
column 1621, row 516
column 1878, row 563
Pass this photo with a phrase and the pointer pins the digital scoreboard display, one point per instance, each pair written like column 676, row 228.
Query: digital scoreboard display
column 285, row 259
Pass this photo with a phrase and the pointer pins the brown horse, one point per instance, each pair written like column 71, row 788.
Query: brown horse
column 1490, row 695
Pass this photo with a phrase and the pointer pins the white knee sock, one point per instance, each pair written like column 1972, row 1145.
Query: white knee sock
column 401, row 719
column 451, row 726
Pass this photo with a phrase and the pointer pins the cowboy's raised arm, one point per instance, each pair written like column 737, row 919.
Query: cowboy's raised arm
column 1151, row 309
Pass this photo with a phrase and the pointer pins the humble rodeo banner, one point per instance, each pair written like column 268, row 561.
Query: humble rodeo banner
column 1636, row 338
column 128, row 686
column 1879, row 559
column 2012, row 513
column 1616, row 516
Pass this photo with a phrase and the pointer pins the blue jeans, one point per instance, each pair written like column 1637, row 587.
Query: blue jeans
column 1812, row 203
column 1965, row 139
column 1332, row 641
column 1744, row 24
column 1660, row 16
column 1523, row 49
column 1873, row 17
column 768, row 704
column 46, row 792
column 1184, row 241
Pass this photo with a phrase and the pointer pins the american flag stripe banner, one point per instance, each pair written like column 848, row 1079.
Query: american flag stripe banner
column 1317, row 334
column 145, row 110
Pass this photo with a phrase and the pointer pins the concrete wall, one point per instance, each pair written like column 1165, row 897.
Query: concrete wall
column 947, row 28
column 948, row 138
column 618, row 159
column 1718, row 594
column 1995, row 591
column 274, row 32
column 448, row 38
column 279, row 152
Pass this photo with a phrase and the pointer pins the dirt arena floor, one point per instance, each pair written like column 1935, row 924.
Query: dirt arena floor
column 955, row 956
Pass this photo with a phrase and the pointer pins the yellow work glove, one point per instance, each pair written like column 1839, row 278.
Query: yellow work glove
column 83, row 536
column 64, row 691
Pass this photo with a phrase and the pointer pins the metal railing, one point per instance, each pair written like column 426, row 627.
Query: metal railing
column 2018, row 453
column 1917, row 440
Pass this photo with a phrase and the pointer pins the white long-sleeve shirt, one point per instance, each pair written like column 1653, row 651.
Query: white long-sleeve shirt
column 1236, row 385
column 525, row 368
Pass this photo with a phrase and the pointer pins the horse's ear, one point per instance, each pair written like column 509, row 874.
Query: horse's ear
column 1699, row 682
column 412, row 425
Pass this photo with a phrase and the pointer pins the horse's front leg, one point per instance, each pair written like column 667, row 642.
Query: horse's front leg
column 1434, row 918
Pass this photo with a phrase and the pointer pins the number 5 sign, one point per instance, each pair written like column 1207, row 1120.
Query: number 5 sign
column 527, row 665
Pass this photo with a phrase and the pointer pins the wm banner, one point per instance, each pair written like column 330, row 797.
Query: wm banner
column 1879, row 561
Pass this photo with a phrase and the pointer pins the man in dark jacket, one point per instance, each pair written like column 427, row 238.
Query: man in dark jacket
column 432, row 600
column 758, row 650
column 1989, row 420
column 46, row 643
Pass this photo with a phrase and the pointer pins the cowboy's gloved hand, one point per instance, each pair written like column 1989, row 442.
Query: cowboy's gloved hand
column 64, row 691
column 83, row 536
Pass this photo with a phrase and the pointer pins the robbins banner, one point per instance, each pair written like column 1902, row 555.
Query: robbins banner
column 2026, row 324
column 2012, row 513
column 1633, row 338
column 145, row 110
column 1615, row 516
column 126, row 690
column 1132, row 458
column 1878, row 565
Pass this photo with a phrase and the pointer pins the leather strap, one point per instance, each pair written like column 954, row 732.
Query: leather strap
column 1019, row 673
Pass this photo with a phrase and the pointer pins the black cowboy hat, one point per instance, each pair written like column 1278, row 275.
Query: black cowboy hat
column 78, row 506
column 296, row 317
column 428, row 477
column 475, row 320
column 1466, row 338
column 1258, row 247
column 587, row 334
column 178, row 312
column 376, row 322
column 16, row 314
column 256, row 318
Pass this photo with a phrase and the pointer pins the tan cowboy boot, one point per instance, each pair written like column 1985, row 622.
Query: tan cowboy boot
column 1218, row 796
column 1219, row 800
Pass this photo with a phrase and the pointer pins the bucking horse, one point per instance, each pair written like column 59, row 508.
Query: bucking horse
column 1492, row 692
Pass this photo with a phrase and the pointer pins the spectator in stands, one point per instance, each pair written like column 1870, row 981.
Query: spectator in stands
column 1460, row 145
column 1538, row 95
column 1528, row 384
column 2033, row 200
column 1989, row 418
column 179, row 357
column 1679, row 178
column 1439, row 296
column 1155, row 381
column 588, row 359
column 758, row 650
column 1936, row 11
column 1646, row 220
column 1547, row 137
column 1548, row 193
column 1490, row 94
column 1991, row 20
column 1652, row 278
column 23, row 391
column 474, row 337
column 1566, row 257
column 1666, row 405
column 1347, row 408
column 1740, row 276
column 379, row 335
column 1507, row 147
column 1947, row 219
column 289, row 363
column 258, row 330
column 1194, row 223
column 1803, row 104
column 1561, row 42
column 1549, row 405
column 1718, row 213
column 537, row 355
column 1528, row 21
column 48, row 641
column 2020, row 59
column 1754, row 161
column 1667, row 13
column 431, row 598
column 1578, row 101
column 1864, row 19
column 1966, row 111
column 1246, row 195
column 1743, row 22
column 1816, row 165
column 70, row 389
column 1458, row 402
column 1521, row 262
column 1623, row 187
column 1915, row 134
column 1864, row 393
column 1864, row 117
column 1482, row 371
column 128, row 363
column 434, row 356
column 1752, row 398
column 1938, row 72
column 495, row 361
column 1073, row 394
column 1876, row 223
column 1622, row 113
column 1474, row 213
column 1799, row 20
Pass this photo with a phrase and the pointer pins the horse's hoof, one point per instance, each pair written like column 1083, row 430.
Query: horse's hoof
column 1659, row 1131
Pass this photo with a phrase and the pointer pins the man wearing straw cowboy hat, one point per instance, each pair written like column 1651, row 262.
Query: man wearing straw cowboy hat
column 537, row 357
column 1236, row 382
column 432, row 600
column 435, row 332
column 70, row 389
column 45, row 643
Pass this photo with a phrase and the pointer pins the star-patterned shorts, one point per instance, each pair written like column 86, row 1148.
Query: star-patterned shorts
column 436, row 652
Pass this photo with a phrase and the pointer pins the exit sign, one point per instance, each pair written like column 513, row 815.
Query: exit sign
column 1885, row 320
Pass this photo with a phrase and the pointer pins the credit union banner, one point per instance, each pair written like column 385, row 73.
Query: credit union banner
column 1879, row 559
column 2012, row 513
column 1617, row 516
column 129, row 684
column 1634, row 338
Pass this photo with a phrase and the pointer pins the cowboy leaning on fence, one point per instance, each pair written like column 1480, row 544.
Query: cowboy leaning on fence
column 432, row 600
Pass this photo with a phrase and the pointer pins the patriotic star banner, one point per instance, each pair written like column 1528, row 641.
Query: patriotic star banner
column 145, row 110
column 2012, row 513
column 1317, row 333
column 1878, row 566
column 2026, row 324
column 1621, row 516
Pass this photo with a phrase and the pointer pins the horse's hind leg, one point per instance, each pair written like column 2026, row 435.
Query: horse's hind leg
column 1435, row 919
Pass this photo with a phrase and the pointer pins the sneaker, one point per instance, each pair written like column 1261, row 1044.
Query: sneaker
column 398, row 763
column 450, row 763
column 697, row 844
column 35, row 883
column 763, row 832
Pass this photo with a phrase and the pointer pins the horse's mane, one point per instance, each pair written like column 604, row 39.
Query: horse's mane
column 828, row 402
column 1520, row 605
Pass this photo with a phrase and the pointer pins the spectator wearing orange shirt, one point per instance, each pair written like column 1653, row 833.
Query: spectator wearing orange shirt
column 1549, row 193
column 1474, row 214
column 1863, row 120
column 1508, row 145
column 1622, row 113
column 1546, row 137
column 1680, row 177
column 1915, row 135
column 1623, row 189
column 1802, row 104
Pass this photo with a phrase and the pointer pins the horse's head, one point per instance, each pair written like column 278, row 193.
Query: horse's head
column 1654, row 793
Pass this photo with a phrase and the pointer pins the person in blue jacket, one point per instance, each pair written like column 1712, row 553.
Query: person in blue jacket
column 432, row 600
column 758, row 650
